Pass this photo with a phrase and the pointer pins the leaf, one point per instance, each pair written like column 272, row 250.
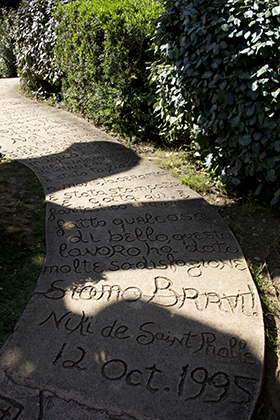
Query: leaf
column 277, row 194
column 254, row 85
column 258, row 189
column 275, row 93
column 245, row 51
column 214, row 65
column 275, row 199
column 207, row 75
column 257, row 136
column 235, row 181
column 272, row 125
column 276, row 11
column 213, row 109
column 256, row 147
column 212, row 83
column 216, row 49
column 271, row 175
column 172, row 120
column 250, row 111
column 253, row 120
column 277, row 145
column 262, row 70
column 229, row 98
column 244, row 75
column 176, row 53
column 254, row 95
column 235, row 121
column 271, row 162
column 237, row 21
column 245, row 140
column 249, row 14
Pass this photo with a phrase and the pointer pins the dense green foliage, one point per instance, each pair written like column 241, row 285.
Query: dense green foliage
column 218, row 82
column 35, row 41
column 7, row 44
column 212, row 79
column 102, row 50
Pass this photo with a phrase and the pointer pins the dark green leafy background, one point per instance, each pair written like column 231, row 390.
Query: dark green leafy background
column 218, row 82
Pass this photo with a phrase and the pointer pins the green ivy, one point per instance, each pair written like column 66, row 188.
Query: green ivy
column 218, row 83
column 102, row 49
column 35, row 41
column 7, row 44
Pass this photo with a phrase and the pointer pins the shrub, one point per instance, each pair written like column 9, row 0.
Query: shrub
column 218, row 83
column 7, row 44
column 102, row 49
column 35, row 41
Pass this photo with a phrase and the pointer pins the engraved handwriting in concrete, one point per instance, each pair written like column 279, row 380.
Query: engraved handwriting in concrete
column 163, row 294
column 197, row 383
column 9, row 408
column 93, row 244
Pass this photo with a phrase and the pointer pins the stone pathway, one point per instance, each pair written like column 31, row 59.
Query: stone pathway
column 145, row 307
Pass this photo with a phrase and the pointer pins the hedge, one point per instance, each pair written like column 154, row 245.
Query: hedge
column 218, row 84
column 8, row 66
column 35, row 34
column 102, row 49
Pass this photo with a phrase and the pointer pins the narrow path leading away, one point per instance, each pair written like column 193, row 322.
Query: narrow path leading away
column 145, row 307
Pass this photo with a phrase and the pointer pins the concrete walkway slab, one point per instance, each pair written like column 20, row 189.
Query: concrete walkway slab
column 145, row 307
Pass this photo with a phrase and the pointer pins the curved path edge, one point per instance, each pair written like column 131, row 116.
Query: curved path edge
column 145, row 307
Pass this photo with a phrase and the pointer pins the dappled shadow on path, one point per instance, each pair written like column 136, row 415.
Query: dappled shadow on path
column 145, row 304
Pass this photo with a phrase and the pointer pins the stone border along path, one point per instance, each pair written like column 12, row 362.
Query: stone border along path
column 145, row 307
